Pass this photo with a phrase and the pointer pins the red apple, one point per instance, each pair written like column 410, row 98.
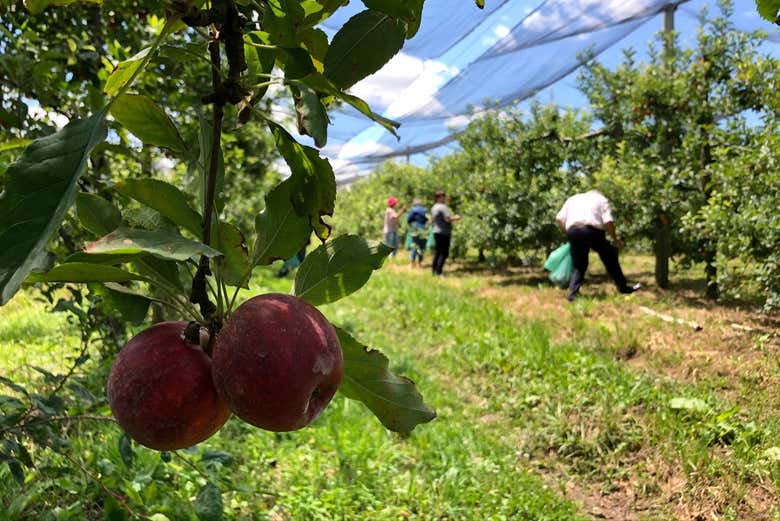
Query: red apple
column 277, row 362
column 160, row 390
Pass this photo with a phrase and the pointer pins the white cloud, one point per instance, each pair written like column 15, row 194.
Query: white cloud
column 457, row 122
column 404, row 84
column 36, row 112
column 382, row 88
column 501, row 31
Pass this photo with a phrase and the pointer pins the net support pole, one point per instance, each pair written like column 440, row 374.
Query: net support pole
column 663, row 234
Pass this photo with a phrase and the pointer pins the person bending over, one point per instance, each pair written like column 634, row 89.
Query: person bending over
column 586, row 219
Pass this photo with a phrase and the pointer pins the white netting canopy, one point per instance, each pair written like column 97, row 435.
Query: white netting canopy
column 464, row 59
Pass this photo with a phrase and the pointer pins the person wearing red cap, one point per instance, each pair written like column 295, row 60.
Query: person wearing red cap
column 391, row 224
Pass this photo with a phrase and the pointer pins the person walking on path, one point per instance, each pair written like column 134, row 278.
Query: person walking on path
column 391, row 224
column 442, row 220
column 586, row 219
column 417, row 221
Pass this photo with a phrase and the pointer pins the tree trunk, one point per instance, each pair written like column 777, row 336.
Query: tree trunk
column 663, row 251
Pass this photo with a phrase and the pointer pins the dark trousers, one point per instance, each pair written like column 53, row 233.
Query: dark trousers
column 584, row 239
column 442, row 251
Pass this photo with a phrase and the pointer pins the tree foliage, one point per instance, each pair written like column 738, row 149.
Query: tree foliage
column 156, row 120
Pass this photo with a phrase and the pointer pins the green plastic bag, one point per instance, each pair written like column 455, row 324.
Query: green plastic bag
column 560, row 266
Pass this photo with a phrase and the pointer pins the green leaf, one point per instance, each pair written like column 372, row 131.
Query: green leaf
column 80, row 256
column 296, row 62
column 14, row 144
column 164, row 198
column 393, row 399
column 313, row 189
column 16, row 471
column 96, row 214
column 12, row 385
column 316, row 42
column 147, row 121
column 132, row 306
column 208, row 503
column 147, row 219
column 281, row 20
column 338, row 268
column 413, row 23
column 124, row 71
column 281, row 231
column 312, row 117
column 125, row 446
column 322, row 84
column 39, row 188
column 234, row 265
column 204, row 160
column 362, row 46
column 402, row 9
column 83, row 272
column 217, row 456
column 320, row 10
column 37, row 6
column 164, row 273
column 163, row 244
column 259, row 61
column 768, row 9
column 480, row 3
column 184, row 52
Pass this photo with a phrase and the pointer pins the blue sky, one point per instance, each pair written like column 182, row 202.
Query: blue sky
column 451, row 47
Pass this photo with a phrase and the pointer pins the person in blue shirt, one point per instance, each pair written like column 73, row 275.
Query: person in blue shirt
column 417, row 221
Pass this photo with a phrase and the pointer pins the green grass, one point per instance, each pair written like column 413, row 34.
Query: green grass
column 519, row 416
column 347, row 466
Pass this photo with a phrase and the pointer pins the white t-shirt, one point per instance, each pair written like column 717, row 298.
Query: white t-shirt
column 588, row 209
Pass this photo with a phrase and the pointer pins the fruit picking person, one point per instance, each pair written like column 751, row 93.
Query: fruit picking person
column 391, row 224
column 586, row 219
column 442, row 220
column 417, row 221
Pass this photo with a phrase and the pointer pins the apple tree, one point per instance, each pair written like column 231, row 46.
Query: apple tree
column 182, row 241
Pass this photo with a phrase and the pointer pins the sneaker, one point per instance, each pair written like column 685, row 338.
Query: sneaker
column 630, row 289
